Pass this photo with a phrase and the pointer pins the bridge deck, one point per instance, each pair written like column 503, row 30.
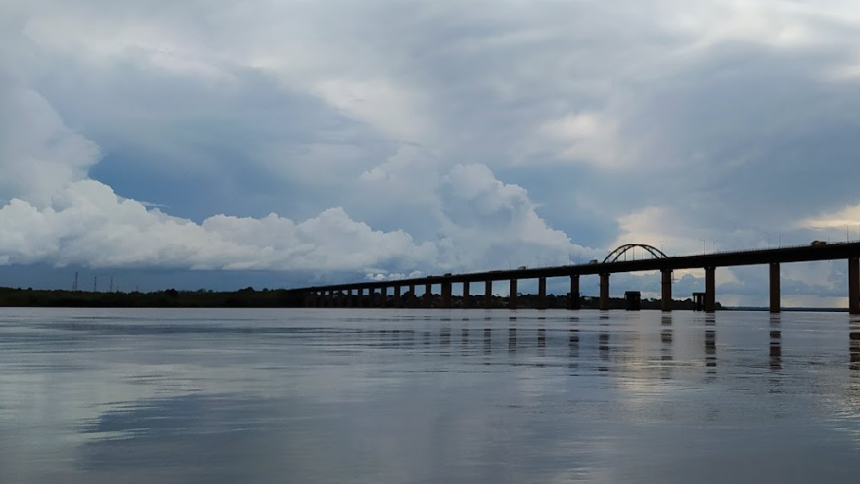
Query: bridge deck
column 803, row 253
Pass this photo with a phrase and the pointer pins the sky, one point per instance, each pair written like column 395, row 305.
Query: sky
column 284, row 143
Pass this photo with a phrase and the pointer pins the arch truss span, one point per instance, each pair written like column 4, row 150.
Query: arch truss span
column 621, row 250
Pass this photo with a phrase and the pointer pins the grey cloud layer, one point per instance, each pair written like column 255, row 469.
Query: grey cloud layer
column 671, row 123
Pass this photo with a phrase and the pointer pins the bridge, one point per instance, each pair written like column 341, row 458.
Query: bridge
column 341, row 295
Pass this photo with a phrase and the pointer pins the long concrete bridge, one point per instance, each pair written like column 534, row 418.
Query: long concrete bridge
column 342, row 295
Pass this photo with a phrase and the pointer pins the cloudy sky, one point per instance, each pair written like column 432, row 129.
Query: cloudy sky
column 281, row 142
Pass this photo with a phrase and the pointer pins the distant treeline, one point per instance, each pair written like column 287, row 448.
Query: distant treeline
column 171, row 298
column 276, row 298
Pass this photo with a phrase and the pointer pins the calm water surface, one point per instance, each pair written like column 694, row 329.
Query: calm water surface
column 388, row 396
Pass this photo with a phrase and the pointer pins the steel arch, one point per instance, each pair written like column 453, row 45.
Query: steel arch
column 622, row 249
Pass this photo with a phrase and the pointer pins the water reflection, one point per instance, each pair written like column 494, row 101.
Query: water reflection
column 666, row 346
column 775, row 343
column 854, row 343
column 541, row 345
column 573, row 346
column 335, row 400
column 775, row 353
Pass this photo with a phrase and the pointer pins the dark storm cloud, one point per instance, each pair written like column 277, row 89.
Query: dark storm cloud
column 661, row 121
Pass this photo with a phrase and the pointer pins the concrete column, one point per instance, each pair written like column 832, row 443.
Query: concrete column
column 329, row 299
column 604, row 292
column 573, row 301
column 412, row 295
column 465, row 294
column 541, row 293
column 488, row 294
column 512, row 304
column 349, row 298
column 360, row 298
column 446, row 295
column 340, row 301
column 854, row 285
column 398, row 303
column 710, row 290
column 428, row 295
column 774, row 287
column 666, row 286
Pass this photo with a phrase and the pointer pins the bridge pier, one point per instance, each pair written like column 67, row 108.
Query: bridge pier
column 446, row 295
column 398, row 301
column 633, row 300
column 428, row 295
column 488, row 294
column 349, row 298
column 666, row 290
column 710, row 290
column 854, row 285
column 512, row 299
column 604, row 291
column 541, row 303
column 465, row 300
column 774, row 287
column 573, row 298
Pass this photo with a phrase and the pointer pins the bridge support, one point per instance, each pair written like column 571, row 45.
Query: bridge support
column 854, row 285
column 573, row 298
column 666, row 290
column 604, row 292
column 465, row 300
column 488, row 294
column 633, row 300
column 398, row 301
column 349, row 298
column 512, row 299
column 428, row 295
column 774, row 287
column 359, row 298
column 446, row 295
column 710, row 290
column 541, row 303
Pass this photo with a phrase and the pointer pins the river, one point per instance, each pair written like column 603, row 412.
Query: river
column 427, row 396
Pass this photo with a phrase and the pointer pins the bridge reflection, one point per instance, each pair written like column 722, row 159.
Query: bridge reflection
column 597, row 347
